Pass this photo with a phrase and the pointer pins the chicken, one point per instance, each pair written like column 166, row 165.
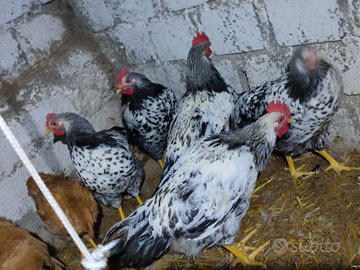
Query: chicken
column 20, row 250
column 148, row 114
column 312, row 89
column 76, row 201
column 207, row 105
column 203, row 198
column 103, row 160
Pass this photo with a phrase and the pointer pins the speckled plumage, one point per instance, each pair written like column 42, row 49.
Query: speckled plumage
column 205, row 108
column 312, row 89
column 202, row 200
column 148, row 114
column 103, row 160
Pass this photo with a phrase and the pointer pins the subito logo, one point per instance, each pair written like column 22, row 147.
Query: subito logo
column 280, row 246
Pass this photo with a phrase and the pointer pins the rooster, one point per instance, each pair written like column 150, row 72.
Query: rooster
column 20, row 250
column 148, row 114
column 103, row 160
column 76, row 201
column 203, row 198
column 312, row 89
column 207, row 105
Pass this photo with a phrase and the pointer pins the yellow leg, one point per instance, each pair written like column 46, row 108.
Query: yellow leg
column 92, row 242
column 139, row 200
column 161, row 163
column 122, row 215
column 240, row 252
column 336, row 166
column 158, row 265
column 296, row 173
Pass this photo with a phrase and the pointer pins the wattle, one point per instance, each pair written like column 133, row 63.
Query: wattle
column 128, row 91
column 282, row 131
column 58, row 132
column 209, row 52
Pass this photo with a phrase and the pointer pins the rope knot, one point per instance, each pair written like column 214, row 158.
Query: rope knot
column 98, row 257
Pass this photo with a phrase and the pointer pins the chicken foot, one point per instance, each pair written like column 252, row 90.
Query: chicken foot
column 139, row 200
column 161, row 163
column 296, row 173
column 239, row 251
column 336, row 166
column 121, row 212
column 92, row 242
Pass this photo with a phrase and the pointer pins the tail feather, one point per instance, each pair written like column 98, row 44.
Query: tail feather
column 138, row 245
column 119, row 130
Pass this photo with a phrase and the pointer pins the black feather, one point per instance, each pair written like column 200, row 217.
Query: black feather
column 139, row 249
column 304, row 86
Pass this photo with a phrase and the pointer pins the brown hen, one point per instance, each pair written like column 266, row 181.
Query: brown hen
column 20, row 250
column 76, row 201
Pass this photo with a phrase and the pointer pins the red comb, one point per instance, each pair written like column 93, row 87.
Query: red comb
column 121, row 75
column 49, row 117
column 312, row 57
column 278, row 106
column 199, row 38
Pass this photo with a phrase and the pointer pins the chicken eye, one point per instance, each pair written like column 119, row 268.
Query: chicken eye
column 128, row 81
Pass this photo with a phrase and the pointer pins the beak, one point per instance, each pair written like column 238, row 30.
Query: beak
column 48, row 130
column 289, row 121
column 119, row 90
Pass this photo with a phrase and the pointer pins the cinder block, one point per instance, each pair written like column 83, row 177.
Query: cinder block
column 13, row 9
column 36, row 36
column 169, row 74
column 304, row 21
column 9, row 54
column 93, row 14
column 354, row 10
column 184, row 4
column 346, row 57
column 171, row 36
column 133, row 11
column 230, row 74
column 261, row 68
column 344, row 128
column 137, row 42
column 232, row 28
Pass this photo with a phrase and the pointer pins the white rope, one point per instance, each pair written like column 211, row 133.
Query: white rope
column 100, row 255
column 93, row 264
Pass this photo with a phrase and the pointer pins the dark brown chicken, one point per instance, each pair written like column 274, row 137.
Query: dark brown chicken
column 77, row 202
column 19, row 250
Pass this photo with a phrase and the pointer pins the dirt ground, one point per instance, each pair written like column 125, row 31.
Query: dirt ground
column 311, row 224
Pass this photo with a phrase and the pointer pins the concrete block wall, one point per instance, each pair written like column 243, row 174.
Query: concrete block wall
column 63, row 55
column 46, row 65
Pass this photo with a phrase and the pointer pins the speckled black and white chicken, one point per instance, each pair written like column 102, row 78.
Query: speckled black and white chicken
column 103, row 160
column 203, row 198
column 148, row 114
column 207, row 105
column 312, row 89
